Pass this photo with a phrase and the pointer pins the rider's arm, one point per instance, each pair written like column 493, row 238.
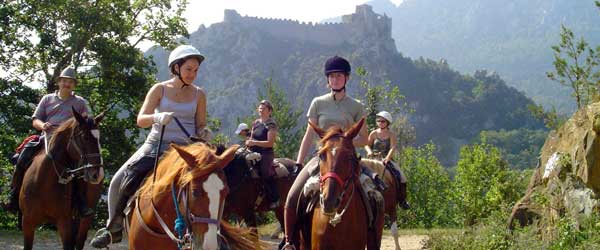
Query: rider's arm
column 306, row 142
column 271, row 135
column 390, row 154
column 146, row 116
column 39, row 115
column 370, row 142
column 38, row 124
column 201, row 111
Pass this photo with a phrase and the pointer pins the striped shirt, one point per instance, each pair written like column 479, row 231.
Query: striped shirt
column 55, row 110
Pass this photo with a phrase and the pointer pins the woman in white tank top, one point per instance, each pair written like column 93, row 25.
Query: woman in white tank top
column 176, row 97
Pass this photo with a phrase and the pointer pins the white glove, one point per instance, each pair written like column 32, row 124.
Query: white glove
column 163, row 118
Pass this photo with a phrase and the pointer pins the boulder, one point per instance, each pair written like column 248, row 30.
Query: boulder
column 566, row 181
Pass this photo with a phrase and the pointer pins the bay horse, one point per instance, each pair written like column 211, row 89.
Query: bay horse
column 190, row 184
column 244, row 198
column 340, row 220
column 73, row 152
column 391, row 195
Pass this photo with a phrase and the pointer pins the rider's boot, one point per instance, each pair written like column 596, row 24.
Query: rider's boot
column 272, row 192
column 289, row 215
column 17, row 180
column 379, row 184
column 402, row 197
column 113, row 232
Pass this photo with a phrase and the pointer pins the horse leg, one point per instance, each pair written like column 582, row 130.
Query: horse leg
column 28, row 233
column 65, row 230
column 84, row 225
column 394, row 231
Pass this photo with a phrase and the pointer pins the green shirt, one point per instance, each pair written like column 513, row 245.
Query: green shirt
column 328, row 112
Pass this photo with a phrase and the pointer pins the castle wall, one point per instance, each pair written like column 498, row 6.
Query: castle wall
column 363, row 22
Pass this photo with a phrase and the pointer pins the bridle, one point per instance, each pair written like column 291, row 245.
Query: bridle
column 183, row 223
column 74, row 169
column 345, row 184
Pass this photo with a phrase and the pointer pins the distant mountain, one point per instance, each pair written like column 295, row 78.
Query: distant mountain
column 511, row 37
column 242, row 52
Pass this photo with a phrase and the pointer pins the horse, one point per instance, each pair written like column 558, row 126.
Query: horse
column 73, row 152
column 391, row 194
column 340, row 220
column 190, row 186
column 245, row 199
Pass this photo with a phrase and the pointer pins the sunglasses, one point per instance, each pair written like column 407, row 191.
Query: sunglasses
column 381, row 120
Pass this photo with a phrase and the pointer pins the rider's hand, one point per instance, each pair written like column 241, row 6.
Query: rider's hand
column 249, row 143
column 370, row 154
column 46, row 126
column 163, row 118
column 385, row 161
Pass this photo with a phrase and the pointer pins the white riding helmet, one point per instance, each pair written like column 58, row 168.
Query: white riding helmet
column 241, row 127
column 184, row 51
column 386, row 115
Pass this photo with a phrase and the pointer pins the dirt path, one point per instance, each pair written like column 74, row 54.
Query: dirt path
column 48, row 240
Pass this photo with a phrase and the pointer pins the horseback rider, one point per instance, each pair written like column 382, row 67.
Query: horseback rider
column 177, row 97
column 333, row 108
column 262, row 139
column 382, row 145
column 53, row 110
column 243, row 132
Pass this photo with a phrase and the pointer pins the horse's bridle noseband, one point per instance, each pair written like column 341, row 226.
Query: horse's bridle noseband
column 68, row 173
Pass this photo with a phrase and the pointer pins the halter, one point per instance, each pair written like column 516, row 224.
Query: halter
column 337, row 218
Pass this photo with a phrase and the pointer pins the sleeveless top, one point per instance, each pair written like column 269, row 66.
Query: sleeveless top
column 260, row 132
column 184, row 111
column 381, row 147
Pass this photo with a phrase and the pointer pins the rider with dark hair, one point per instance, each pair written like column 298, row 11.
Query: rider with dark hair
column 262, row 140
column 333, row 108
column 53, row 110
column 176, row 97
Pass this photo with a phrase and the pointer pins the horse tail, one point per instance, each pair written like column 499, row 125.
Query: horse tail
column 240, row 238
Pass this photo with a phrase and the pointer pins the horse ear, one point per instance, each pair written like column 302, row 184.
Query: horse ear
column 78, row 116
column 185, row 155
column 355, row 129
column 226, row 157
column 317, row 130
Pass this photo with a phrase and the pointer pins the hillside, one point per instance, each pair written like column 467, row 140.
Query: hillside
column 450, row 108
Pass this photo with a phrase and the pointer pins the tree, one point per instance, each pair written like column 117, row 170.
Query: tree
column 479, row 173
column 576, row 66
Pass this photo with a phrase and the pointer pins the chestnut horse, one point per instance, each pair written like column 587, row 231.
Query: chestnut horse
column 244, row 197
column 189, row 180
column 391, row 195
column 46, row 195
column 339, row 221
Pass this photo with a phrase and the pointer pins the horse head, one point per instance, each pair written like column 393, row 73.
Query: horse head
column 205, row 188
column 339, row 164
column 83, row 147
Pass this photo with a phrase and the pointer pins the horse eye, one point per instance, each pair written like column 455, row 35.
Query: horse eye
column 196, row 192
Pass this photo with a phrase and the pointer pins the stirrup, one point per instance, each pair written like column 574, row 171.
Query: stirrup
column 288, row 246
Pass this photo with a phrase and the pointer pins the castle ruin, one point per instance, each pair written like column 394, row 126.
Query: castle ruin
column 364, row 23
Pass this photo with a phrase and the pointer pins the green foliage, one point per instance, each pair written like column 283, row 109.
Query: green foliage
column 520, row 147
column 576, row 66
column 480, row 182
column 82, row 33
column 428, row 189
column 552, row 120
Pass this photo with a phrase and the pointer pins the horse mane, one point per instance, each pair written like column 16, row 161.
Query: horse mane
column 334, row 131
column 62, row 132
column 172, row 168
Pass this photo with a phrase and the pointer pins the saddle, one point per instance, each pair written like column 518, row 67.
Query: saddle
column 371, row 197
column 283, row 167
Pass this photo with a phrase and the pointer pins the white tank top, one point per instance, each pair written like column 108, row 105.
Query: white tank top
column 184, row 111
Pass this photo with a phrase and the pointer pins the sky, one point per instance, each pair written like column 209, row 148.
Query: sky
column 209, row 12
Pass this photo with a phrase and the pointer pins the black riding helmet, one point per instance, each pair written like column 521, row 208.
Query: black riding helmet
column 337, row 64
